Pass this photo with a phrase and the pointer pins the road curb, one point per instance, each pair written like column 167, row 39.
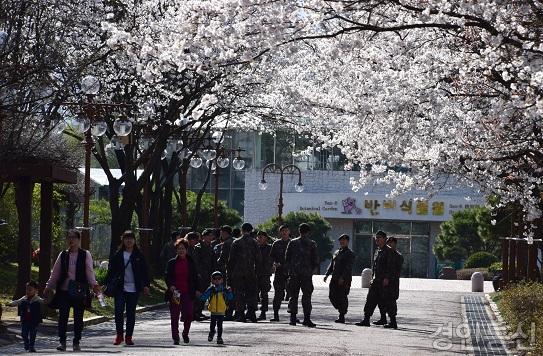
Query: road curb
column 95, row 320
column 499, row 325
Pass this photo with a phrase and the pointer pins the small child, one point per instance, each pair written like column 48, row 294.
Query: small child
column 29, row 309
column 217, row 295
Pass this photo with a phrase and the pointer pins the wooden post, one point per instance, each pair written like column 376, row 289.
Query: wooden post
column 46, row 231
column 505, row 260
column 522, row 260
column 512, row 261
column 532, row 262
column 23, row 199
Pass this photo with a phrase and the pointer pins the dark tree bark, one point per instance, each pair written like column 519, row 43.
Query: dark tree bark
column 23, row 200
column 46, row 231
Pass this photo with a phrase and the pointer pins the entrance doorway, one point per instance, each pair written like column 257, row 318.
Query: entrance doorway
column 413, row 244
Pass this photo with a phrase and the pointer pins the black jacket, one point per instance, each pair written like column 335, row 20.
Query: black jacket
column 277, row 255
column 139, row 266
column 341, row 265
column 170, row 277
column 384, row 264
column 265, row 267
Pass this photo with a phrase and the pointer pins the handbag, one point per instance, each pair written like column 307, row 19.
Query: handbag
column 114, row 283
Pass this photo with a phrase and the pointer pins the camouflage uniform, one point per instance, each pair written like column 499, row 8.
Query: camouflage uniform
column 241, row 272
column 264, row 273
column 222, row 251
column 206, row 264
column 301, row 260
column 389, row 304
column 383, row 267
column 277, row 255
column 340, row 268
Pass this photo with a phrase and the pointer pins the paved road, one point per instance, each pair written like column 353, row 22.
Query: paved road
column 421, row 313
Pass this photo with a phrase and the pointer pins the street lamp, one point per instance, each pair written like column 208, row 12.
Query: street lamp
column 89, row 123
column 281, row 170
column 222, row 161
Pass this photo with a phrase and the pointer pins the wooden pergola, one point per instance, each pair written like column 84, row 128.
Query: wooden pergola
column 519, row 260
column 24, row 175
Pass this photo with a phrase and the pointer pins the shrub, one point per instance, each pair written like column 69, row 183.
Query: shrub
column 480, row 260
column 319, row 230
column 465, row 274
column 101, row 274
column 495, row 267
column 521, row 305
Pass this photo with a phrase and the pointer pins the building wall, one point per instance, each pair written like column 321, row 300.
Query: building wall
column 261, row 205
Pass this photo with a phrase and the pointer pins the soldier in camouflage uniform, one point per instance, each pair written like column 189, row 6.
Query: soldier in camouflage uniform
column 341, row 268
column 264, row 272
column 383, row 275
column 301, row 259
column 394, row 288
column 222, row 251
column 395, row 284
column 277, row 255
column 241, row 272
column 205, row 264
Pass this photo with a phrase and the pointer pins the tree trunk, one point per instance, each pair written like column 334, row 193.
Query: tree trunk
column 183, row 194
column 46, row 232
column 23, row 200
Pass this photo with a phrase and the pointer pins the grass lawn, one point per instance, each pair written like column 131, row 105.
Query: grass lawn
column 8, row 278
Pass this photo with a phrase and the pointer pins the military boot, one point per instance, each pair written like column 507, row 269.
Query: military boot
column 341, row 319
column 392, row 324
column 307, row 322
column 275, row 316
column 262, row 315
column 293, row 319
column 365, row 322
column 382, row 321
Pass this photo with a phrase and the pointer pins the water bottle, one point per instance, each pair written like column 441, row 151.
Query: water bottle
column 101, row 300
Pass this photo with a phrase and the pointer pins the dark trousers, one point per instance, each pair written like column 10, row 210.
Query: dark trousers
column 64, row 305
column 176, row 310
column 379, row 294
column 245, row 290
column 338, row 295
column 129, row 301
column 305, row 284
column 28, row 332
column 216, row 320
column 389, row 304
column 264, row 286
column 279, row 286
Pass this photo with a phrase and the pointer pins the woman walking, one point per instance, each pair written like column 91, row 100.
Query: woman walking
column 182, row 281
column 71, row 277
column 127, row 276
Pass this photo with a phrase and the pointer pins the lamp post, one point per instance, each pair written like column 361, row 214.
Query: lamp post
column 89, row 123
column 222, row 161
column 281, row 170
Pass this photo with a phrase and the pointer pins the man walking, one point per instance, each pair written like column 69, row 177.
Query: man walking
column 222, row 250
column 341, row 268
column 301, row 260
column 264, row 272
column 383, row 274
column 242, row 271
column 277, row 255
column 206, row 264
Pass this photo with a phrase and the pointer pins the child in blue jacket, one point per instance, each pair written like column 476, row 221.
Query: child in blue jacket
column 217, row 295
column 29, row 309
